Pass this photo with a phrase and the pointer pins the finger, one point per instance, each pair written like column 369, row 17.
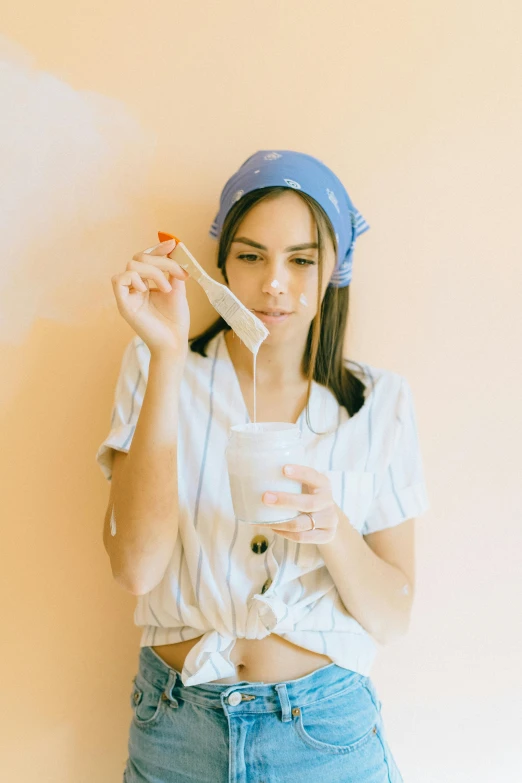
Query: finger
column 303, row 536
column 318, row 536
column 150, row 272
column 157, row 272
column 301, row 524
column 160, row 262
column 128, row 279
column 298, row 501
column 307, row 475
column 163, row 249
column 124, row 281
column 151, row 258
column 299, row 529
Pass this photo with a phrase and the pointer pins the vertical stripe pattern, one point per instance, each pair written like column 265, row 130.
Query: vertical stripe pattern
column 208, row 589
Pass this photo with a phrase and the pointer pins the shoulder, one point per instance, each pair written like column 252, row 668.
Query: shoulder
column 378, row 381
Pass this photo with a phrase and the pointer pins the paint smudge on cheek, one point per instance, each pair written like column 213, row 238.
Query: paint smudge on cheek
column 303, row 300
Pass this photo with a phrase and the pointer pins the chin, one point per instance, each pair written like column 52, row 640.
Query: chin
column 280, row 335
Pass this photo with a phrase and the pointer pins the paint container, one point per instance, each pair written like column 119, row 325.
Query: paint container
column 256, row 455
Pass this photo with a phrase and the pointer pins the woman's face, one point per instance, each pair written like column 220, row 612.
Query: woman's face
column 269, row 275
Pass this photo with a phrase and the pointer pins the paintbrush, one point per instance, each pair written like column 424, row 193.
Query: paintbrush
column 250, row 329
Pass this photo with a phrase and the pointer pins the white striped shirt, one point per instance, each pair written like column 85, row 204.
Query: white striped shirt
column 212, row 586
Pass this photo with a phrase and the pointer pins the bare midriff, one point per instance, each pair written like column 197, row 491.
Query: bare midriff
column 272, row 659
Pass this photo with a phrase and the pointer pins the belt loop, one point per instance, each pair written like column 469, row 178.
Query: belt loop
column 171, row 682
column 284, row 701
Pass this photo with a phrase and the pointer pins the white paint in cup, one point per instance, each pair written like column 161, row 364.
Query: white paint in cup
column 256, row 455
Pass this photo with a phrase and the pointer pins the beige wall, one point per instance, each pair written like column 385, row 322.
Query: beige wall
column 417, row 107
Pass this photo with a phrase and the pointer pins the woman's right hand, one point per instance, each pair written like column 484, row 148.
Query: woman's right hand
column 160, row 317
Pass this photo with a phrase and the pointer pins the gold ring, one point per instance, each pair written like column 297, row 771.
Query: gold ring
column 311, row 517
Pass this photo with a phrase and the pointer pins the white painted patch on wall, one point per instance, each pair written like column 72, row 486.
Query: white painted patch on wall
column 75, row 199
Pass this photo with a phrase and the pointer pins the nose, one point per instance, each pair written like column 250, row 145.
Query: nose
column 275, row 281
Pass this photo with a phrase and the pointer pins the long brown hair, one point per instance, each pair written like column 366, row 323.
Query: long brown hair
column 323, row 359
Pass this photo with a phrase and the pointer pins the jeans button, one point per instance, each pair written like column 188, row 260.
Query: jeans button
column 234, row 698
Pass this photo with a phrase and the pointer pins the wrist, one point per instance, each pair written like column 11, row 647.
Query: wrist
column 167, row 365
column 174, row 358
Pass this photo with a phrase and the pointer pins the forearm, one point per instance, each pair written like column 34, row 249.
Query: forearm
column 376, row 593
column 145, row 497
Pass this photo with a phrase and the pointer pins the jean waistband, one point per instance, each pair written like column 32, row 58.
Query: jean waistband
column 250, row 697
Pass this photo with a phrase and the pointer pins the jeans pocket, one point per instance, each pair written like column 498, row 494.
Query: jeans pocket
column 341, row 723
column 147, row 702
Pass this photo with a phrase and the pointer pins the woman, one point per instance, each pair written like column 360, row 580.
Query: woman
column 257, row 640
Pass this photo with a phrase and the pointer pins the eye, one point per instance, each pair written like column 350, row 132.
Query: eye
column 251, row 257
column 306, row 262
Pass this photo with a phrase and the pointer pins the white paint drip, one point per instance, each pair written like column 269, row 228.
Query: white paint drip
column 113, row 522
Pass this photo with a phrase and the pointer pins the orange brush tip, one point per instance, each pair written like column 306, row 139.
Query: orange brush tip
column 163, row 237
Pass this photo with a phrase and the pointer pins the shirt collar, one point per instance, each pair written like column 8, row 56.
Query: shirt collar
column 323, row 405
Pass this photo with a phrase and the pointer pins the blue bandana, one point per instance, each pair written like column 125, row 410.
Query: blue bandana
column 301, row 172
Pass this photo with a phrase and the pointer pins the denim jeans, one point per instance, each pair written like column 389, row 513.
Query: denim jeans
column 325, row 727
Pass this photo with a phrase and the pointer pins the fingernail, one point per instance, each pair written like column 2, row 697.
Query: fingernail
column 270, row 498
column 289, row 470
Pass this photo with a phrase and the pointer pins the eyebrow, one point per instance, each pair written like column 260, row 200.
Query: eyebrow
column 305, row 246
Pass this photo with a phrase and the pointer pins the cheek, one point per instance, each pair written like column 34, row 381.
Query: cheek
column 237, row 279
column 306, row 303
column 306, row 292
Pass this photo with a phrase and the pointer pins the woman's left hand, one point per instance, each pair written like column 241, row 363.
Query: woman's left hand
column 317, row 500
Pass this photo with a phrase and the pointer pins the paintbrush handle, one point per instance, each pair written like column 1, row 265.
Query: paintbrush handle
column 187, row 261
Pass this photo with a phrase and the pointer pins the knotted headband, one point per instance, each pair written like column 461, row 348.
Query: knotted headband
column 301, row 172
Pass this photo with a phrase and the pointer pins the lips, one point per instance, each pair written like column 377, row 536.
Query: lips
column 272, row 316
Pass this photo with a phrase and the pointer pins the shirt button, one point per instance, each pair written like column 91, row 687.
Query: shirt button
column 266, row 586
column 234, row 698
column 259, row 544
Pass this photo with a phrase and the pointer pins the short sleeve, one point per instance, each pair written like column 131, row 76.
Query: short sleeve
column 128, row 399
column 402, row 492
